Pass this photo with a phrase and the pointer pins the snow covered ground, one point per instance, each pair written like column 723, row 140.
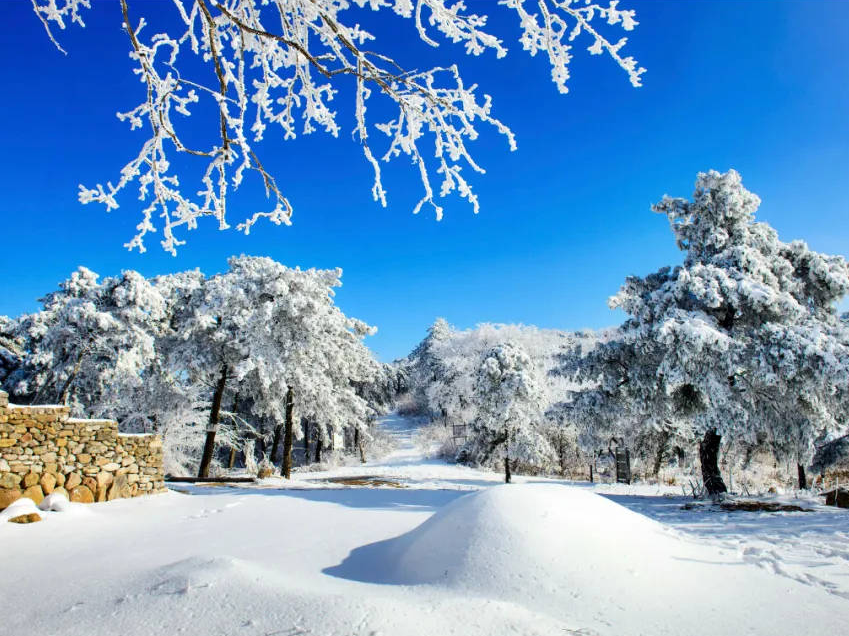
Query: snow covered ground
column 437, row 549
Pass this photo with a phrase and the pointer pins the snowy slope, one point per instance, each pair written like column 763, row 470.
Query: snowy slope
column 446, row 554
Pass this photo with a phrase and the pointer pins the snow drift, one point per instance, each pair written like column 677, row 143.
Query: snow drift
column 578, row 556
column 510, row 539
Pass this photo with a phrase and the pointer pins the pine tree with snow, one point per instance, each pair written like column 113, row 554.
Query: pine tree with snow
column 425, row 366
column 91, row 342
column 743, row 338
column 274, row 335
column 508, row 410
column 11, row 352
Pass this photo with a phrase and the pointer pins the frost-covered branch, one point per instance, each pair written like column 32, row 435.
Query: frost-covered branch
column 282, row 63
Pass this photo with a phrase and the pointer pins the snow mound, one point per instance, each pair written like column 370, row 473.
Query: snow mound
column 22, row 506
column 569, row 553
column 510, row 537
column 55, row 501
column 229, row 595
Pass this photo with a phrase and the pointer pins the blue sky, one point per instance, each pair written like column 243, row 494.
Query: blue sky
column 759, row 86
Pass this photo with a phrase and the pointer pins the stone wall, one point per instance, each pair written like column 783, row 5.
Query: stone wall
column 43, row 450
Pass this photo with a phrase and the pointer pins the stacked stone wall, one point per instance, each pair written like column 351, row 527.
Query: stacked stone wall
column 43, row 450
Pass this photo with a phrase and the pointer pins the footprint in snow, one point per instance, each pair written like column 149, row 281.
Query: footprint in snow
column 203, row 514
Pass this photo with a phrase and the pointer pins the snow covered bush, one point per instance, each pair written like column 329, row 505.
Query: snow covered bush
column 435, row 439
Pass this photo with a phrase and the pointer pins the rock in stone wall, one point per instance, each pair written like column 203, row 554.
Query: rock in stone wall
column 43, row 450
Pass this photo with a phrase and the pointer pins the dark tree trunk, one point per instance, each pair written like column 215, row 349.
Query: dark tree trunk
column 592, row 480
column 286, row 469
column 306, row 425
column 206, row 458
column 318, row 446
column 561, row 451
column 803, row 479
column 506, row 469
column 661, row 451
column 212, row 428
column 275, row 443
column 709, row 458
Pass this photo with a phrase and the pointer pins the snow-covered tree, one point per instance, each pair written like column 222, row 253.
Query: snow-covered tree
column 255, row 64
column 91, row 342
column 425, row 366
column 166, row 355
column 443, row 371
column 509, row 410
column 11, row 351
column 274, row 335
column 742, row 338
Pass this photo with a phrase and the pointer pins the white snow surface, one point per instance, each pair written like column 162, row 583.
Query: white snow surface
column 454, row 551
column 23, row 506
column 55, row 501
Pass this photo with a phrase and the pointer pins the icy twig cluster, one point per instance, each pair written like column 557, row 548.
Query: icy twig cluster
column 282, row 63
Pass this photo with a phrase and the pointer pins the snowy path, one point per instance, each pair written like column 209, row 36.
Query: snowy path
column 406, row 465
column 322, row 558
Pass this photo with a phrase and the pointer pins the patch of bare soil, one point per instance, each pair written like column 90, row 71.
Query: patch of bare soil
column 369, row 482
column 746, row 506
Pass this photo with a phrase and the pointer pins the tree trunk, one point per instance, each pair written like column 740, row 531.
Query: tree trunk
column 35, row 397
column 232, row 459
column 561, row 451
column 661, row 451
column 286, row 469
column 709, row 458
column 592, row 480
column 65, row 391
column 306, row 425
column 358, row 443
column 212, row 428
column 803, row 479
column 506, row 466
column 318, row 446
column 275, row 444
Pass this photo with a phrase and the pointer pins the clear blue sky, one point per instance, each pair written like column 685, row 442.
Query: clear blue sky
column 759, row 86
